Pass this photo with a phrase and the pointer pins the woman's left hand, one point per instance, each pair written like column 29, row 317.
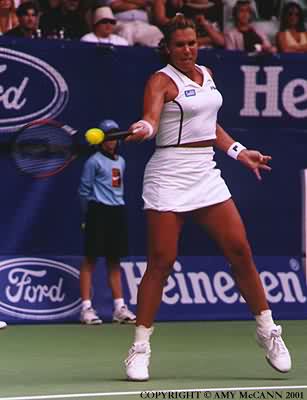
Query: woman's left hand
column 255, row 161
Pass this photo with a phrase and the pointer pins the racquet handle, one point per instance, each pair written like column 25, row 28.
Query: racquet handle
column 119, row 135
column 116, row 135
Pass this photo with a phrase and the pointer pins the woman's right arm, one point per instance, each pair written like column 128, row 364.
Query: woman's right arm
column 154, row 99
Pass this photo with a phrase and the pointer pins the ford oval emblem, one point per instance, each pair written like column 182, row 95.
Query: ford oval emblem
column 38, row 289
column 30, row 89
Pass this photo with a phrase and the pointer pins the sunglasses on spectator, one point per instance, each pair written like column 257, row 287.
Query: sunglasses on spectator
column 107, row 21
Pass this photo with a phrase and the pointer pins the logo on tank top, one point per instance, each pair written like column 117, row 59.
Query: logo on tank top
column 212, row 86
column 116, row 178
column 189, row 93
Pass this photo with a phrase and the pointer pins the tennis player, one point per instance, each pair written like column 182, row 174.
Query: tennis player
column 102, row 199
column 180, row 108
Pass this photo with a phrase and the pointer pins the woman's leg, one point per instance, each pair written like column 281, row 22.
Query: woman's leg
column 163, row 233
column 225, row 226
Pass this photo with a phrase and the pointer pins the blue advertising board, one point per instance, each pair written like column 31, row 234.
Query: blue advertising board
column 37, row 289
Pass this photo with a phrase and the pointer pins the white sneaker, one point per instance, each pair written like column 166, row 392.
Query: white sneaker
column 137, row 362
column 3, row 324
column 124, row 316
column 275, row 349
column 88, row 316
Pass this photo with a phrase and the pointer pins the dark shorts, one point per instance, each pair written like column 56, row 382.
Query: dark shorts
column 106, row 232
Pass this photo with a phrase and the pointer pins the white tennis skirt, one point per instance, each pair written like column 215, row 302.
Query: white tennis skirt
column 182, row 179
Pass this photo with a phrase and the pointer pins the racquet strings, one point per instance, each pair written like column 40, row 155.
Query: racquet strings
column 42, row 150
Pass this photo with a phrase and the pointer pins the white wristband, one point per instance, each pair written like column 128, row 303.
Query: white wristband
column 149, row 127
column 235, row 149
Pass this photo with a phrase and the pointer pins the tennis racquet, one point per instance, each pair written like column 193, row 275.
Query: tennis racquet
column 44, row 148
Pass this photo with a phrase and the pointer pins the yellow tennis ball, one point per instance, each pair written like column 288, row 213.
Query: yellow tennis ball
column 94, row 136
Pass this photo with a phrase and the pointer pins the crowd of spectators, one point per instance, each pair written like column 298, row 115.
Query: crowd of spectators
column 248, row 25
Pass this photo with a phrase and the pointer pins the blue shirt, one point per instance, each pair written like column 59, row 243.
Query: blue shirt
column 102, row 180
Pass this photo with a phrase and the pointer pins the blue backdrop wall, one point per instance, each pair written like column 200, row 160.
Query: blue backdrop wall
column 265, row 107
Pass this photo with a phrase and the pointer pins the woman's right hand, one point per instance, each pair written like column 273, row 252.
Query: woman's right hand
column 140, row 132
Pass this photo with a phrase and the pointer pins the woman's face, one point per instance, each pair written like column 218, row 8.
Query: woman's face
column 6, row 4
column 183, row 49
column 293, row 16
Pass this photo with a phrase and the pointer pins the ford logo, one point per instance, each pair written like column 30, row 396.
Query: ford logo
column 30, row 89
column 38, row 289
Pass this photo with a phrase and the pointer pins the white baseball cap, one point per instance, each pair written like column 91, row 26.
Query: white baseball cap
column 103, row 13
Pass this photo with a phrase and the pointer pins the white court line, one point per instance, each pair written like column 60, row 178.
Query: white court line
column 104, row 394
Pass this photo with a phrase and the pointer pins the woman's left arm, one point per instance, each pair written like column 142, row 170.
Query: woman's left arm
column 252, row 159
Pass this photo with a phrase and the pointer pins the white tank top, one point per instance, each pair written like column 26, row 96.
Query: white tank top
column 191, row 116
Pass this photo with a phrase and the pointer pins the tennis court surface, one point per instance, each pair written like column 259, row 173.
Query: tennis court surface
column 85, row 362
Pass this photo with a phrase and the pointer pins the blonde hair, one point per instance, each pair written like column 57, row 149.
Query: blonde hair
column 179, row 21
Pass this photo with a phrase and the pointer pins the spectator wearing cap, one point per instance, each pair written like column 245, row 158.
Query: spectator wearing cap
column 133, row 22
column 105, row 228
column 28, row 16
column 103, row 28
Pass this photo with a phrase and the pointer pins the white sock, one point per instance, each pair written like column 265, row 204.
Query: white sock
column 118, row 303
column 265, row 320
column 86, row 304
column 142, row 334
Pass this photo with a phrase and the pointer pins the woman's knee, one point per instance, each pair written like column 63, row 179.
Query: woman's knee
column 238, row 251
column 161, row 264
column 241, row 260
